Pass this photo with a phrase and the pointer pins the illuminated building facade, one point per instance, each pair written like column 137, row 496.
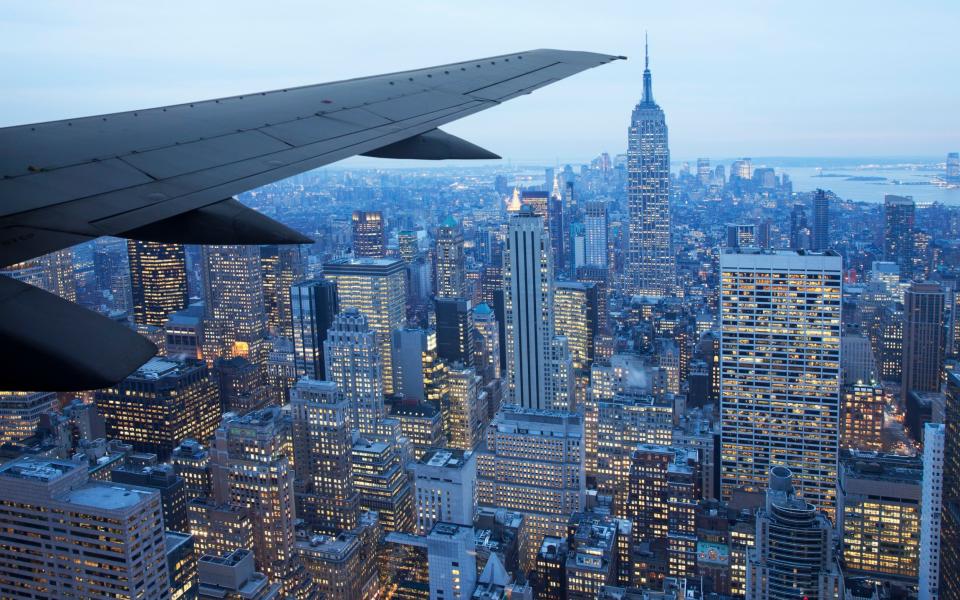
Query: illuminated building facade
column 235, row 322
column 252, row 468
column 380, row 479
column 450, row 260
column 532, row 463
column 780, row 370
column 191, row 461
column 160, row 404
column 378, row 289
column 352, row 353
column 48, row 509
column 794, row 555
column 421, row 424
column 465, row 409
column 20, row 413
column 862, row 416
column 369, row 239
column 651, row 268
column 878, row 515
column 158, row 280
column 575, row 314
column 281, row 267
column 321, row 448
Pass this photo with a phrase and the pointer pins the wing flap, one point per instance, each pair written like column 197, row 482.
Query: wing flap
column 225, row 222
column 53, row 344
column 432, row 145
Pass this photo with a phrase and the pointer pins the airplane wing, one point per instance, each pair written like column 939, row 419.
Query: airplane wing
column 170, row 173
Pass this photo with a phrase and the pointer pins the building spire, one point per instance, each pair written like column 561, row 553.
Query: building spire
column 647, row 79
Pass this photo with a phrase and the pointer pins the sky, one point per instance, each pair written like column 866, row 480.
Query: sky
column 741, row 78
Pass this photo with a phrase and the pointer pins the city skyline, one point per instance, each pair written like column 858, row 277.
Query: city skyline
column 603, row 379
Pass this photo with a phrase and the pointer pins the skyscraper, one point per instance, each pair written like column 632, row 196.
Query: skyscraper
column 596, row 224
column 575, row 313
column 281, row 266
column 235, row 321
column 369, row 239
column 799, row 232
column 162, row 403
column 533, row 463
column 465, row 409
column 66, row 536
column 931, row 510
column 780, row 369
column 898, row 242
column 353, row 360
column 445, row 481
column 821, row 221
column 923, row 337
column 651, row 265
column 20, row 413
column 253, row 471
column 321, row 447
column 950, row 528
column 313, row 306
column 450, row 259
column 158, row 280
column 793, row 556
column 377, row 287
column 533, row 356
column 455, row 335
column 952, row 174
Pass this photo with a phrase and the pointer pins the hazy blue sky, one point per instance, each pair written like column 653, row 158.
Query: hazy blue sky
column 735, row 78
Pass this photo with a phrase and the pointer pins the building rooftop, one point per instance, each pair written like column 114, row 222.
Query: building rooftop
column 38, row 469
column 106, row 496
column 451, row 458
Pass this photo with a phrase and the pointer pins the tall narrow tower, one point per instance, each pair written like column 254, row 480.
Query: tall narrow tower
column 651, row 266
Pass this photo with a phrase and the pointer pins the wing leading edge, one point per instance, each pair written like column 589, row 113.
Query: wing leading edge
column 163, row 174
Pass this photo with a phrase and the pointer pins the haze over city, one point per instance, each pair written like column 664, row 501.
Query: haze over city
column 742, row 79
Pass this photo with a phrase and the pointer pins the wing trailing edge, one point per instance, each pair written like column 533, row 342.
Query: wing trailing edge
column 435, row 144
column 224, row 222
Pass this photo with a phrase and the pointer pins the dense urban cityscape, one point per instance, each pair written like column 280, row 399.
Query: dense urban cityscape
column 622, row 380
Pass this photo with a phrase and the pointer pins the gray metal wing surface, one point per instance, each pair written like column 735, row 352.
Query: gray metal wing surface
column 170, row 173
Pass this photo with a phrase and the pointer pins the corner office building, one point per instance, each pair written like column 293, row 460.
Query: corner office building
column 65, row 536
column 780, row 370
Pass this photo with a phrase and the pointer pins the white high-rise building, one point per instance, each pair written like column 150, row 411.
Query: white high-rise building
column 452, row 558
column 931, row 505
column 780, row 370
column 352, row 352
column 445, row 482
column 595, row 223
column 538, row 370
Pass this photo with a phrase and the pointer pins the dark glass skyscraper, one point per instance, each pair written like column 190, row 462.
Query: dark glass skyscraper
column 158, row 280
column 651, row 266
column 821, row 221
column 313, row 307
column 898, row 233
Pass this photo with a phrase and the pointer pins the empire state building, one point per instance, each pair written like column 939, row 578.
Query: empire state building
column 651, row 266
